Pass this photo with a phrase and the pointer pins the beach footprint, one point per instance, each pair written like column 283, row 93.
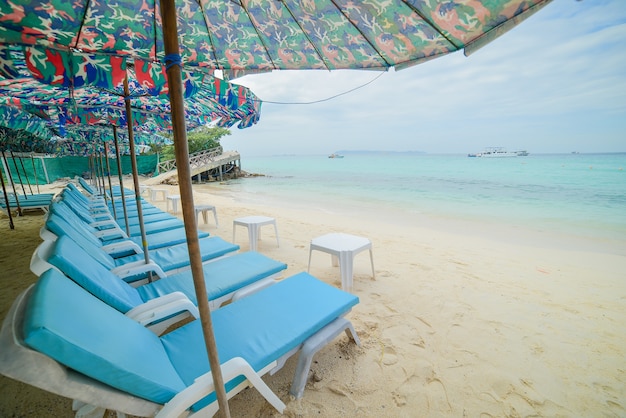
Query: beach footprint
column 438, row 401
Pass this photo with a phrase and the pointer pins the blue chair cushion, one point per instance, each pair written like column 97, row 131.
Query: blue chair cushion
column 72, row 260
column 260, row 328
column 71, row 326
column 165, row 238
column 221, row 277
column 177, row 256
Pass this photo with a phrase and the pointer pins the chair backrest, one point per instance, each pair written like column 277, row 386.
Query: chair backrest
column 68, row 225
column 77, row 207
column 71, row 187
column 79, row 266
column 61, row 208
column 89, row 243
column 86, row 186
column 68, row 324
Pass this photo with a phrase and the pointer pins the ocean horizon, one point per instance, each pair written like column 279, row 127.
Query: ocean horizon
column 577, row 196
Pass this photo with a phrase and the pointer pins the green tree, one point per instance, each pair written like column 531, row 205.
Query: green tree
column 199, row 139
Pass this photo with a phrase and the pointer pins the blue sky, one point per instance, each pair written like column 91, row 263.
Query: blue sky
column 556, row 83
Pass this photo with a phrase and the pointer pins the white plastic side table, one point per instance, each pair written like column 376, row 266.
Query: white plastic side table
column 343, row 248
column 174, row 199
column 204, row 209
column 153, row 193
column 254, row 224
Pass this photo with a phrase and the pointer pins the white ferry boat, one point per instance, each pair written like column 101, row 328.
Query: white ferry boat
column 498, row 152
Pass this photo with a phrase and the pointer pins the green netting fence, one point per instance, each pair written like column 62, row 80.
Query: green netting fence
column 44, row 170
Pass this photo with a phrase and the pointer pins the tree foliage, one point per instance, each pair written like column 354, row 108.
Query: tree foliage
column 199, row 139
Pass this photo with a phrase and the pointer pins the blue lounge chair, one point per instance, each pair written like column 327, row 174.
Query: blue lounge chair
column 90, row 352
column 156, row 222
column 99, row 205
column 169, row 259
column 226, row 279
column 117, row 191
column 27, row 202
column 115, row 236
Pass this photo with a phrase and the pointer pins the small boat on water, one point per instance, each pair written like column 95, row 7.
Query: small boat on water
column 333, row 155
column 499, row 152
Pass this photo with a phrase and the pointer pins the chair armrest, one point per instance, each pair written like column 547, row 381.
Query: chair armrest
column 253, row 288
column 110, row 233
column 159, row 313
column 105, row 224
column 94, row 210
column 120, row 247
column 137, row 267
column 203, row 386
column 97, row 204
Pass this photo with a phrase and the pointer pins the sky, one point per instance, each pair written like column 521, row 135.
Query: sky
column 554, row 84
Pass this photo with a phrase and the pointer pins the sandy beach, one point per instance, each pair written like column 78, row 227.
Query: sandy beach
column 454, row 325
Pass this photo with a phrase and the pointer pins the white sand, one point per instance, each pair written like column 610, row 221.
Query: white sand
column 455, row 324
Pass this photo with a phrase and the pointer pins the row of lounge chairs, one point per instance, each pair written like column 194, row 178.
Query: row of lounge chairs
column 39, row 201
column 94, row 327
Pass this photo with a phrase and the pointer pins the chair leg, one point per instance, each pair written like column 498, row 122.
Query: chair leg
column 312, row 346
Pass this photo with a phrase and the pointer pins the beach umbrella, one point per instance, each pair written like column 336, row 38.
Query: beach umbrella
column 19, row 131
column 241, row 36
column 70, row 89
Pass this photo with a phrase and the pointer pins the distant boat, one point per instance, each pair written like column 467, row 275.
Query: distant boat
column 333, row 155
column 499, row 152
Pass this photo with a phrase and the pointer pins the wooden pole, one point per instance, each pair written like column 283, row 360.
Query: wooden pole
column 19, row 176
column 101, row 184
column 91, row 170
column 106, row 158
column 6, row 200
column 133, row 163
column 121, row 178
column 174, row 77
column 10, row 177
column 26, row 175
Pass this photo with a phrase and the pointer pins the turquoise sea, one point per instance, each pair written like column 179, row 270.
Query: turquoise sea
column 580, row 195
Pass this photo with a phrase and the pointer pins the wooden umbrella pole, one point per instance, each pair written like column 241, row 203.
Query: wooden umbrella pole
column 133, row 163
column 6, row 201
column 174, row 78
column 10, row 177
column 121, row 178
column 100, row 177
column 92, row 171
column 19, row 176
column 101, row 184
column 26, row 175
column 90, row 168
column 106, row 158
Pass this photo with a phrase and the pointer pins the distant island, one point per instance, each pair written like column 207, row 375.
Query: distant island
column 365, row 152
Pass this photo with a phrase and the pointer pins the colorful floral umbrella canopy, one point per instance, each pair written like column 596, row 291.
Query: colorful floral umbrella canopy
column 262, row 35
column 23, row 131
column 68, row 87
